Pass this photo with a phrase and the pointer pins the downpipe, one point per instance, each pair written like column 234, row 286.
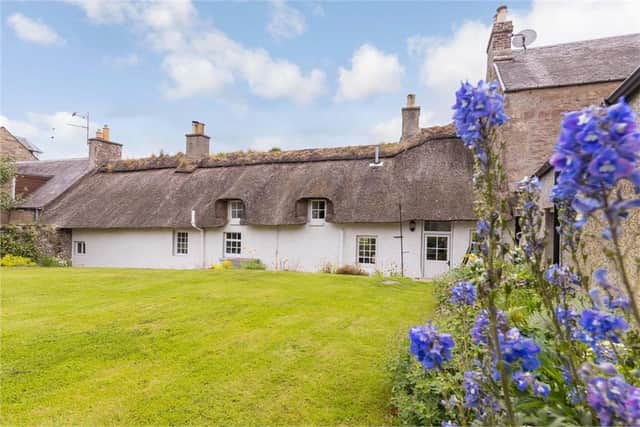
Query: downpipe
column 193, row 224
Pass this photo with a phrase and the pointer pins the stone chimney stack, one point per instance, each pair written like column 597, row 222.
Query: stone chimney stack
column 101, row 150
column 410, row 118
column 499, row 46
column 197, row 142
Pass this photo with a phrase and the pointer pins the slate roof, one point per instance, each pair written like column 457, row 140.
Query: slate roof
column 62, row 175
column 28, row 145
column 431, row 174
column 588, row 61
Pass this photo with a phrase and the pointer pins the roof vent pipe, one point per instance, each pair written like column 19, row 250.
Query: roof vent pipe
column 376, row 158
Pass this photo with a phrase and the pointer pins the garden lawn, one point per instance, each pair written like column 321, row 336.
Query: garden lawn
column 123, row 347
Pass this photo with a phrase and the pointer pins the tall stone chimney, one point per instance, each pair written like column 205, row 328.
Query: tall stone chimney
column 410, row 118
column 499, row 46
column 197, row 142
column 101, row 150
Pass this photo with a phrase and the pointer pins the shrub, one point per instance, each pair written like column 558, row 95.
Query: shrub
column 18, row 241
column 327, row 268
column 254, row 264
column 47, row 261
column 224, row 265
column 15, row 261
column 351, row 269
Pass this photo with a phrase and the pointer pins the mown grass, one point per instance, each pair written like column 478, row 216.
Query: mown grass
column 127, row 347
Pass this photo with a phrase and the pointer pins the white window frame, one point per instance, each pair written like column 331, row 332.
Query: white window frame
column 370, row 250
column 236, row 211
column 180, row 243
column 474, row 244
column 437, row 248
column 317, row 211
column 232, row 237
column 80, row 247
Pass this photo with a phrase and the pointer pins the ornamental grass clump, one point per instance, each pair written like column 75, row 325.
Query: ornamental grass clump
column 571, row 356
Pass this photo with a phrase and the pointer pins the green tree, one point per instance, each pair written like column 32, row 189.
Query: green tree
column 7, row 173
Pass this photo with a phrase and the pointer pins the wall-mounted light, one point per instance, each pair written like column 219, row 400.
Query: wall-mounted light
column 412, row 225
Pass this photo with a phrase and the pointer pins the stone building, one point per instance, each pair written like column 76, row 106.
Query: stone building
column 542, row 83
column 17, row 147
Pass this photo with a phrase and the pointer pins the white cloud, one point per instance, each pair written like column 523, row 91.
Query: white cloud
column 266, row 143
column 124, row 61
column 286, row 22
column 32, row 30
column 462, row 55
column 199, row 59
column 39, row 128
column 372, row 72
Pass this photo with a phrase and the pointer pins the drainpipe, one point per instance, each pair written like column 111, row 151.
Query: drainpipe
column 193, row 224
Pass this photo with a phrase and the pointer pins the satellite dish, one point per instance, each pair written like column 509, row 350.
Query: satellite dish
column 524, row 38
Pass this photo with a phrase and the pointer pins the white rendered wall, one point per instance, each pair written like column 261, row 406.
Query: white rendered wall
column 301, row 248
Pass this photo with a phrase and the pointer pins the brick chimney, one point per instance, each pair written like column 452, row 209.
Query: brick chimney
column 101, row 150
column 197, row 142
column 410, row 118
column 499, row 46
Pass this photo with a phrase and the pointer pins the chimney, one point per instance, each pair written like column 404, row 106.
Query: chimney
column 410, row 118
column 499, row 46
column 197, row 142
column 101, row 150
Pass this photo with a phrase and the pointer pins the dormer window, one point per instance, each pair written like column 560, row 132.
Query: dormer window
column 318, row 211
column 236, row 211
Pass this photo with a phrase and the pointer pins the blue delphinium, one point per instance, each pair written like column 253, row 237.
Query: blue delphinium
column 463, row 293
column 596, row 149
column 429, row 347
column 477, row 109
column 613, row 400
column 613, row 297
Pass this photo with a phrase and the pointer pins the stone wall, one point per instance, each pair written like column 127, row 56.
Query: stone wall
column 50, row 241
column 536, row 115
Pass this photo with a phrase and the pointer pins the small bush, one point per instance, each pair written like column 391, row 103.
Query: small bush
column 327, row 268
column 254, row 264
column 15, row 261
column 351, row 269
column 224, row 265
column 275, row 150
column 48, row 261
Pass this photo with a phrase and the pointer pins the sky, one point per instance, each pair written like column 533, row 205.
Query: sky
column 259, row 74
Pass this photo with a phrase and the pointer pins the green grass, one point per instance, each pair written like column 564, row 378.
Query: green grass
column 124, row 347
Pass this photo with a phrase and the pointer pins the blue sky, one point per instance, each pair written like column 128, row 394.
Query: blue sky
column 259, row 74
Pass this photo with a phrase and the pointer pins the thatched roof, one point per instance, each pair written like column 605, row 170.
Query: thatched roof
column 61, row 175
column 430, row 174
column 583, row 62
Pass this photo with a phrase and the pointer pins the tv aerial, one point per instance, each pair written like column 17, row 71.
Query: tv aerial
column 524, row 38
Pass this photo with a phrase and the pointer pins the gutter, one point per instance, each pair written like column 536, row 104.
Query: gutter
column 193, row 224
column 627, row 87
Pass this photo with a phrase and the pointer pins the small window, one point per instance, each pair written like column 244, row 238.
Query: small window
column 437, row 248
column 80, row 247
column 437, row 226
column 236, row 211
column 318, row 211
column 181, row 243
column 232, row 243
column 366, row 249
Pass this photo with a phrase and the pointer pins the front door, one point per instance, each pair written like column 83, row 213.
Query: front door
column 436, row 254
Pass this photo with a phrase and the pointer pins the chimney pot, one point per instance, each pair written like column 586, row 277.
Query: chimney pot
column 501, row 14
column 410, row 118
column 99, row 134
column 105, row 133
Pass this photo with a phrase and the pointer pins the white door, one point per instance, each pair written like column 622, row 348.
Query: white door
column 436, row 254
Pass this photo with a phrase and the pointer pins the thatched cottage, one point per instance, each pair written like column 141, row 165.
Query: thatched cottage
column 401, row 207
